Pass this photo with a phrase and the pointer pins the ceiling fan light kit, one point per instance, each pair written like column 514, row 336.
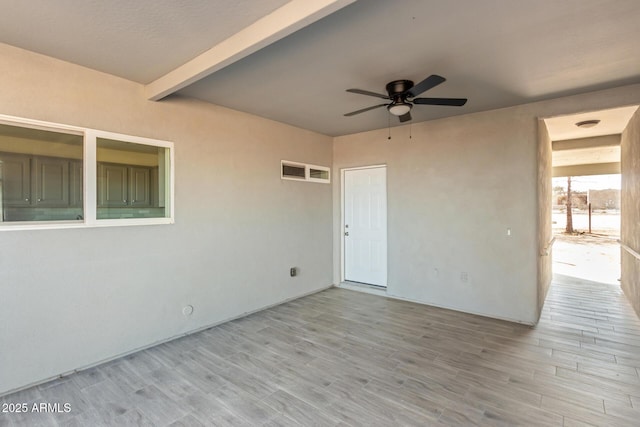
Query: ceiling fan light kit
column 402, row 94
column 399, row 109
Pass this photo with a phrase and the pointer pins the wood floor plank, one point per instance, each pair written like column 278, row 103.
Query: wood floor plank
column 156, row 406
column 346, row 358
column 559, row 406
column 187, row 421
column 208, row 411
column 299, row 410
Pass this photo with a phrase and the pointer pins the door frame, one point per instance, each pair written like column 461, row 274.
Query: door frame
column 342, row 208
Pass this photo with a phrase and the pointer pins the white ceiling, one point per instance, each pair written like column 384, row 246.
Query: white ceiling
column 497, row 53
column 612, row 122
column 563, row 128
column 139, row 40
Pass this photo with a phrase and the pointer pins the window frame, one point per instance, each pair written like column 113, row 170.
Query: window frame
column 89, row 175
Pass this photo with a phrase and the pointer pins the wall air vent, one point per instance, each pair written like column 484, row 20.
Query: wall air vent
column 293, row 171
column 304, row 172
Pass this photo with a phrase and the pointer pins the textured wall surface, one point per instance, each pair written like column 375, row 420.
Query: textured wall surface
column 70, row 298
column 454, row 188
column 545, row 250
column 630, row 210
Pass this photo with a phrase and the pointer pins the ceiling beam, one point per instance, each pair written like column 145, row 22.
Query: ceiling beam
column 587, row 169
column 592, row 142
column 278, row 24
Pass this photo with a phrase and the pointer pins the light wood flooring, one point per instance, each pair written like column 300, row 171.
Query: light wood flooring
column 347, row 358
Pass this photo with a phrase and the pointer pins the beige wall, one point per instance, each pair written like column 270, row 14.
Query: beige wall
column 70, row 298
column 630, row 210
column 453, row 190
column 545, row 192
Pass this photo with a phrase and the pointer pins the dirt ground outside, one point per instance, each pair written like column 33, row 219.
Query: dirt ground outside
column 594, row 257
column 602, row 222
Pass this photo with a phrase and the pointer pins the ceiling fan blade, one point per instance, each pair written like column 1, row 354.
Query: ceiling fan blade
column 366, row 92
column 452, row 102
column 353, row 113
column 405, row 117
column 428, row 83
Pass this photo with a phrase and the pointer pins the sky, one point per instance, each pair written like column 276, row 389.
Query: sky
column 584, row 183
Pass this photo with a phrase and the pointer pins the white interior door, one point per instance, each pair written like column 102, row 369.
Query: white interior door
column 365, row 225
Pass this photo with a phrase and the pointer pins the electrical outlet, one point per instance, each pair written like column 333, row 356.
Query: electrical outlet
column 464, row 277
column 293, row 271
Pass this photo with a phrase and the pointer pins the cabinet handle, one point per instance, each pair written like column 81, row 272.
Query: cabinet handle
column 39, row 200
column 26, row 200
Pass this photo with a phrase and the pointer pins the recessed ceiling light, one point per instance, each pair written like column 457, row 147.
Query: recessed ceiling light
column 587, row 123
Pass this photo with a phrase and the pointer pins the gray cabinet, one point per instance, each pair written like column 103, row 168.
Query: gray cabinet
column 112, row 185
column 16, row 180
column 75, row 186
column 50, row 182
column 123, row 185
column 140, row 186
column 155, row 187
column 37, row 181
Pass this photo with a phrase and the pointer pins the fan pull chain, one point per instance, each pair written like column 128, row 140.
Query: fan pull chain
column 389, row 125
column 410, row 127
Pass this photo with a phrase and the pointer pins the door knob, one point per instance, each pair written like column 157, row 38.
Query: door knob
column 346, row 233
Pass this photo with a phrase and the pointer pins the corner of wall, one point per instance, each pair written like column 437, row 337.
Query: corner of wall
column 544, row 215
column 630, row 211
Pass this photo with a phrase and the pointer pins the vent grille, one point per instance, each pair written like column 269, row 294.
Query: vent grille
column 318, row 174
column 291, row 171
column 304, row 172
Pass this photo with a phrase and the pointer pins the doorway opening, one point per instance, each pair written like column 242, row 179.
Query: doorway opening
column 587, row 228
column 586, row 194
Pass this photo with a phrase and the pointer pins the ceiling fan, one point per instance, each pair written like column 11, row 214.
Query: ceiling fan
column 402, row 94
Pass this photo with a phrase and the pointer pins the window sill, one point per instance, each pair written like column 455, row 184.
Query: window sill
column 59, row 225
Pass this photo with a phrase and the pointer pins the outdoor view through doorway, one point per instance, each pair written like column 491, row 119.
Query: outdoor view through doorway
column 591, row 251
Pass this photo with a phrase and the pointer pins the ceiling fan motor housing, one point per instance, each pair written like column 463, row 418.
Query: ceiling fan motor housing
column 398, row 87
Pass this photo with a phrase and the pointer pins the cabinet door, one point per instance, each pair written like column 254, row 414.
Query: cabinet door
column 154, row 188
column 112, row 185
column 139, row 186
column 51, row 182
column 16, row 180
column 75, row 196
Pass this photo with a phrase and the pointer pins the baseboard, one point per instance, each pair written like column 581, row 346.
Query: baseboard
column 384, row 293
column 361, row 287
column 145, row 347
